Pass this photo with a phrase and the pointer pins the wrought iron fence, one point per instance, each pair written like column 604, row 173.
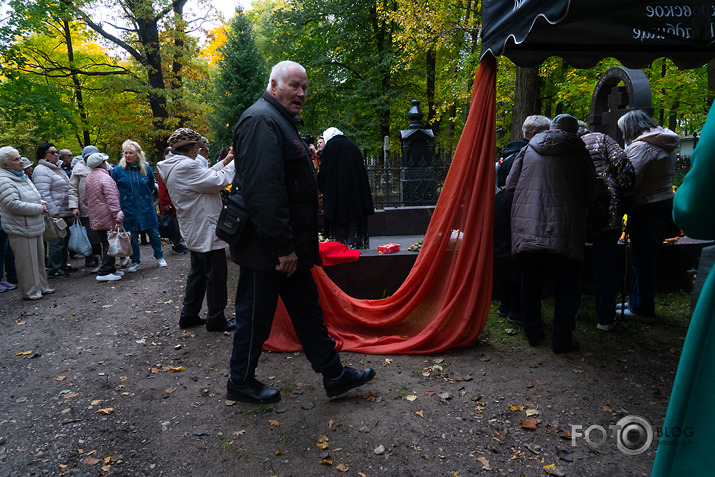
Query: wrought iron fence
column 394, row 185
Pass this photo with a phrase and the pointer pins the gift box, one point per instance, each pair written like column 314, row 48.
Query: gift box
column 388, row 248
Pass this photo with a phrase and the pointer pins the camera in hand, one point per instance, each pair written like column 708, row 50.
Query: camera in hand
column 308, row 139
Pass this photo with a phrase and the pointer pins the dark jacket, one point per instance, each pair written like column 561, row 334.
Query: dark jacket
column 343, row 181
column 276, row 177
column 502, row 200
column 552, row 182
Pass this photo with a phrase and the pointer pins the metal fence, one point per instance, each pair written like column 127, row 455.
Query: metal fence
column 394, row 185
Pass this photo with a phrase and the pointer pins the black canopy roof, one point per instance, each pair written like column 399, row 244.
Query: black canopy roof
column 583, row 32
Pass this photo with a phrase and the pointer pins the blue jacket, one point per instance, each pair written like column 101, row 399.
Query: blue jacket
column 135, row 197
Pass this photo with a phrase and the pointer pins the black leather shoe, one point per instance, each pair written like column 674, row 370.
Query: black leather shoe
column 348, row 379
column 191, row 322
column 220, row 325
column 252, row 391
column 566, row 347
column 535, row 339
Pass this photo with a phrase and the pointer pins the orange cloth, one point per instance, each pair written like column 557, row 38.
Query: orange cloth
column 444, row 301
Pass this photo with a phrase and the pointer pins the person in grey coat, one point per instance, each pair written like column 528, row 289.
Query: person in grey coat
column 552, row 183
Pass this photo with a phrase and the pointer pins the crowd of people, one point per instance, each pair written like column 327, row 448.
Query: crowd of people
column 85, row 189
column 563, row 186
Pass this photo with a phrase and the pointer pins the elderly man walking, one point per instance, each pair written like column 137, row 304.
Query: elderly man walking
column 280, row 243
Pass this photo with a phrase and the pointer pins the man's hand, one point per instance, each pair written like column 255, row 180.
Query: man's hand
column 287, row 263
column 75, row 212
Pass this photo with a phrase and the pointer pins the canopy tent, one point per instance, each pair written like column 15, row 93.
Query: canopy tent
column 583, row 32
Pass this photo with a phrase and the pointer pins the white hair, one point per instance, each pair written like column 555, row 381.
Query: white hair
column 280, row 71
column 5, row 154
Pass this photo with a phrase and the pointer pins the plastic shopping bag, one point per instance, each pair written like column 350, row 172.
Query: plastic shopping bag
column 79, row 242
column 120, row 244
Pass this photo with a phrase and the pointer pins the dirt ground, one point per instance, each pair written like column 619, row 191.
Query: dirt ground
column 99, row 380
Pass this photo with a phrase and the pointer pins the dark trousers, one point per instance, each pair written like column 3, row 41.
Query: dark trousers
column 605, row 275
column 107, row 265
column 256, row 300
column 207, row 276
column 7, row 259
column 647, row 227
column 507, row 279
column 567, row 294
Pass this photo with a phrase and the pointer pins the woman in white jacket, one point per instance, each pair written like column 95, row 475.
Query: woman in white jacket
column 22, row 211
column 54, row 185
column 194, row 192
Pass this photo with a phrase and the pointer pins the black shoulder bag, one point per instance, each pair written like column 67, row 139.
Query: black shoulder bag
column 232, row 219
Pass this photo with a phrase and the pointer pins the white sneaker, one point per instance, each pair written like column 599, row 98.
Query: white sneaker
column 162, row 263
column 119, row 273
column 108, row 278
column 124, row 262
column 134, row 267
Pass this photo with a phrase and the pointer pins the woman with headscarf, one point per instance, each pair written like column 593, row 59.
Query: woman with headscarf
column 651, row 150
column 22, row 210
column 77, row 205
column 135, row 181
column 347, row 197
column 53, row 185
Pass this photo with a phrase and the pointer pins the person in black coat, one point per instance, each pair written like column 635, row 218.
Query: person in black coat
column 279, row 245
column 347, row 197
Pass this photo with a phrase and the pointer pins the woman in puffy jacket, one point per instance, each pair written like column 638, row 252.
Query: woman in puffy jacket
column 53, row 185
column 105, row 213
column 22, row 211
column 651, row 150
column 135, row 181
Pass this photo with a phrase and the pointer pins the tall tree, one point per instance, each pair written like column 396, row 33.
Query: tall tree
column 240, row 77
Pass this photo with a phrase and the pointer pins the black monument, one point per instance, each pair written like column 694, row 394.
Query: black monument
column 419, row 186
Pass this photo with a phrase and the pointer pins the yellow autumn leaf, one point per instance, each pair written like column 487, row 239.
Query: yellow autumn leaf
column 532, row 412
column 106, row 410
column 23, row 353
column 273, row 422
column 107, row 458
column 342, row 467
column 106, row 468
column 606, row 408
column 61, row 378
column 421, row 414
column 411, row 397
column 326, row 462
column 96, row 402
column 515, row 407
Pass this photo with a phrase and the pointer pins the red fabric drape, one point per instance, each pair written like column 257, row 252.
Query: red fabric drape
column 444, row 301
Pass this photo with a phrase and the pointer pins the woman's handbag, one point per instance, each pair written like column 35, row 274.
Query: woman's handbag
column 232, row 219
column 120, row 244
column 55, row 228
column 79, row 241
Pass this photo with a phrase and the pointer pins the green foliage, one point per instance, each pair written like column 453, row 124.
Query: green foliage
column 240, row 78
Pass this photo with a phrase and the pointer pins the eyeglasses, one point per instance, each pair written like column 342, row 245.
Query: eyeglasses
column 53, row 152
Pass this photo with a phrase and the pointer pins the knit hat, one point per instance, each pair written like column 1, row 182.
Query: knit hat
column 26, row 163
column 88, row 151
column 330, row 133
column 95, row 160
column 565, row 122
column 183, row 136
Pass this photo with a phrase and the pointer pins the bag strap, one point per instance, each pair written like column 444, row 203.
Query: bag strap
column 61, row 174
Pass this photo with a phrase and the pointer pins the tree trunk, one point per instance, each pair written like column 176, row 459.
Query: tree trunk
column 431, row 60
column 86, row 140
column 526, row 99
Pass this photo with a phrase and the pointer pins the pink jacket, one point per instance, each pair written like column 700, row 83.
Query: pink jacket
column 102, row 198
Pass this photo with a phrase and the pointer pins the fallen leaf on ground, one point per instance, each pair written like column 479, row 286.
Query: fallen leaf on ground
column 106, row 410
column 61, row 378
column 515, row 407
column 535, row 448
column 96, row 402
column 485, row 463
column 532, row 412
column 90, row 461
column 430, row 393
column 70, row 395
column 411, row 397
column 239, row 433
column 273, row 422
column 554, row 469
column 23, row 353
column 342, row 467
column 421, row 414
column 606, row 408
column 326, row 462
column 387, row 362
column 528, row 423
column 322, row 442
